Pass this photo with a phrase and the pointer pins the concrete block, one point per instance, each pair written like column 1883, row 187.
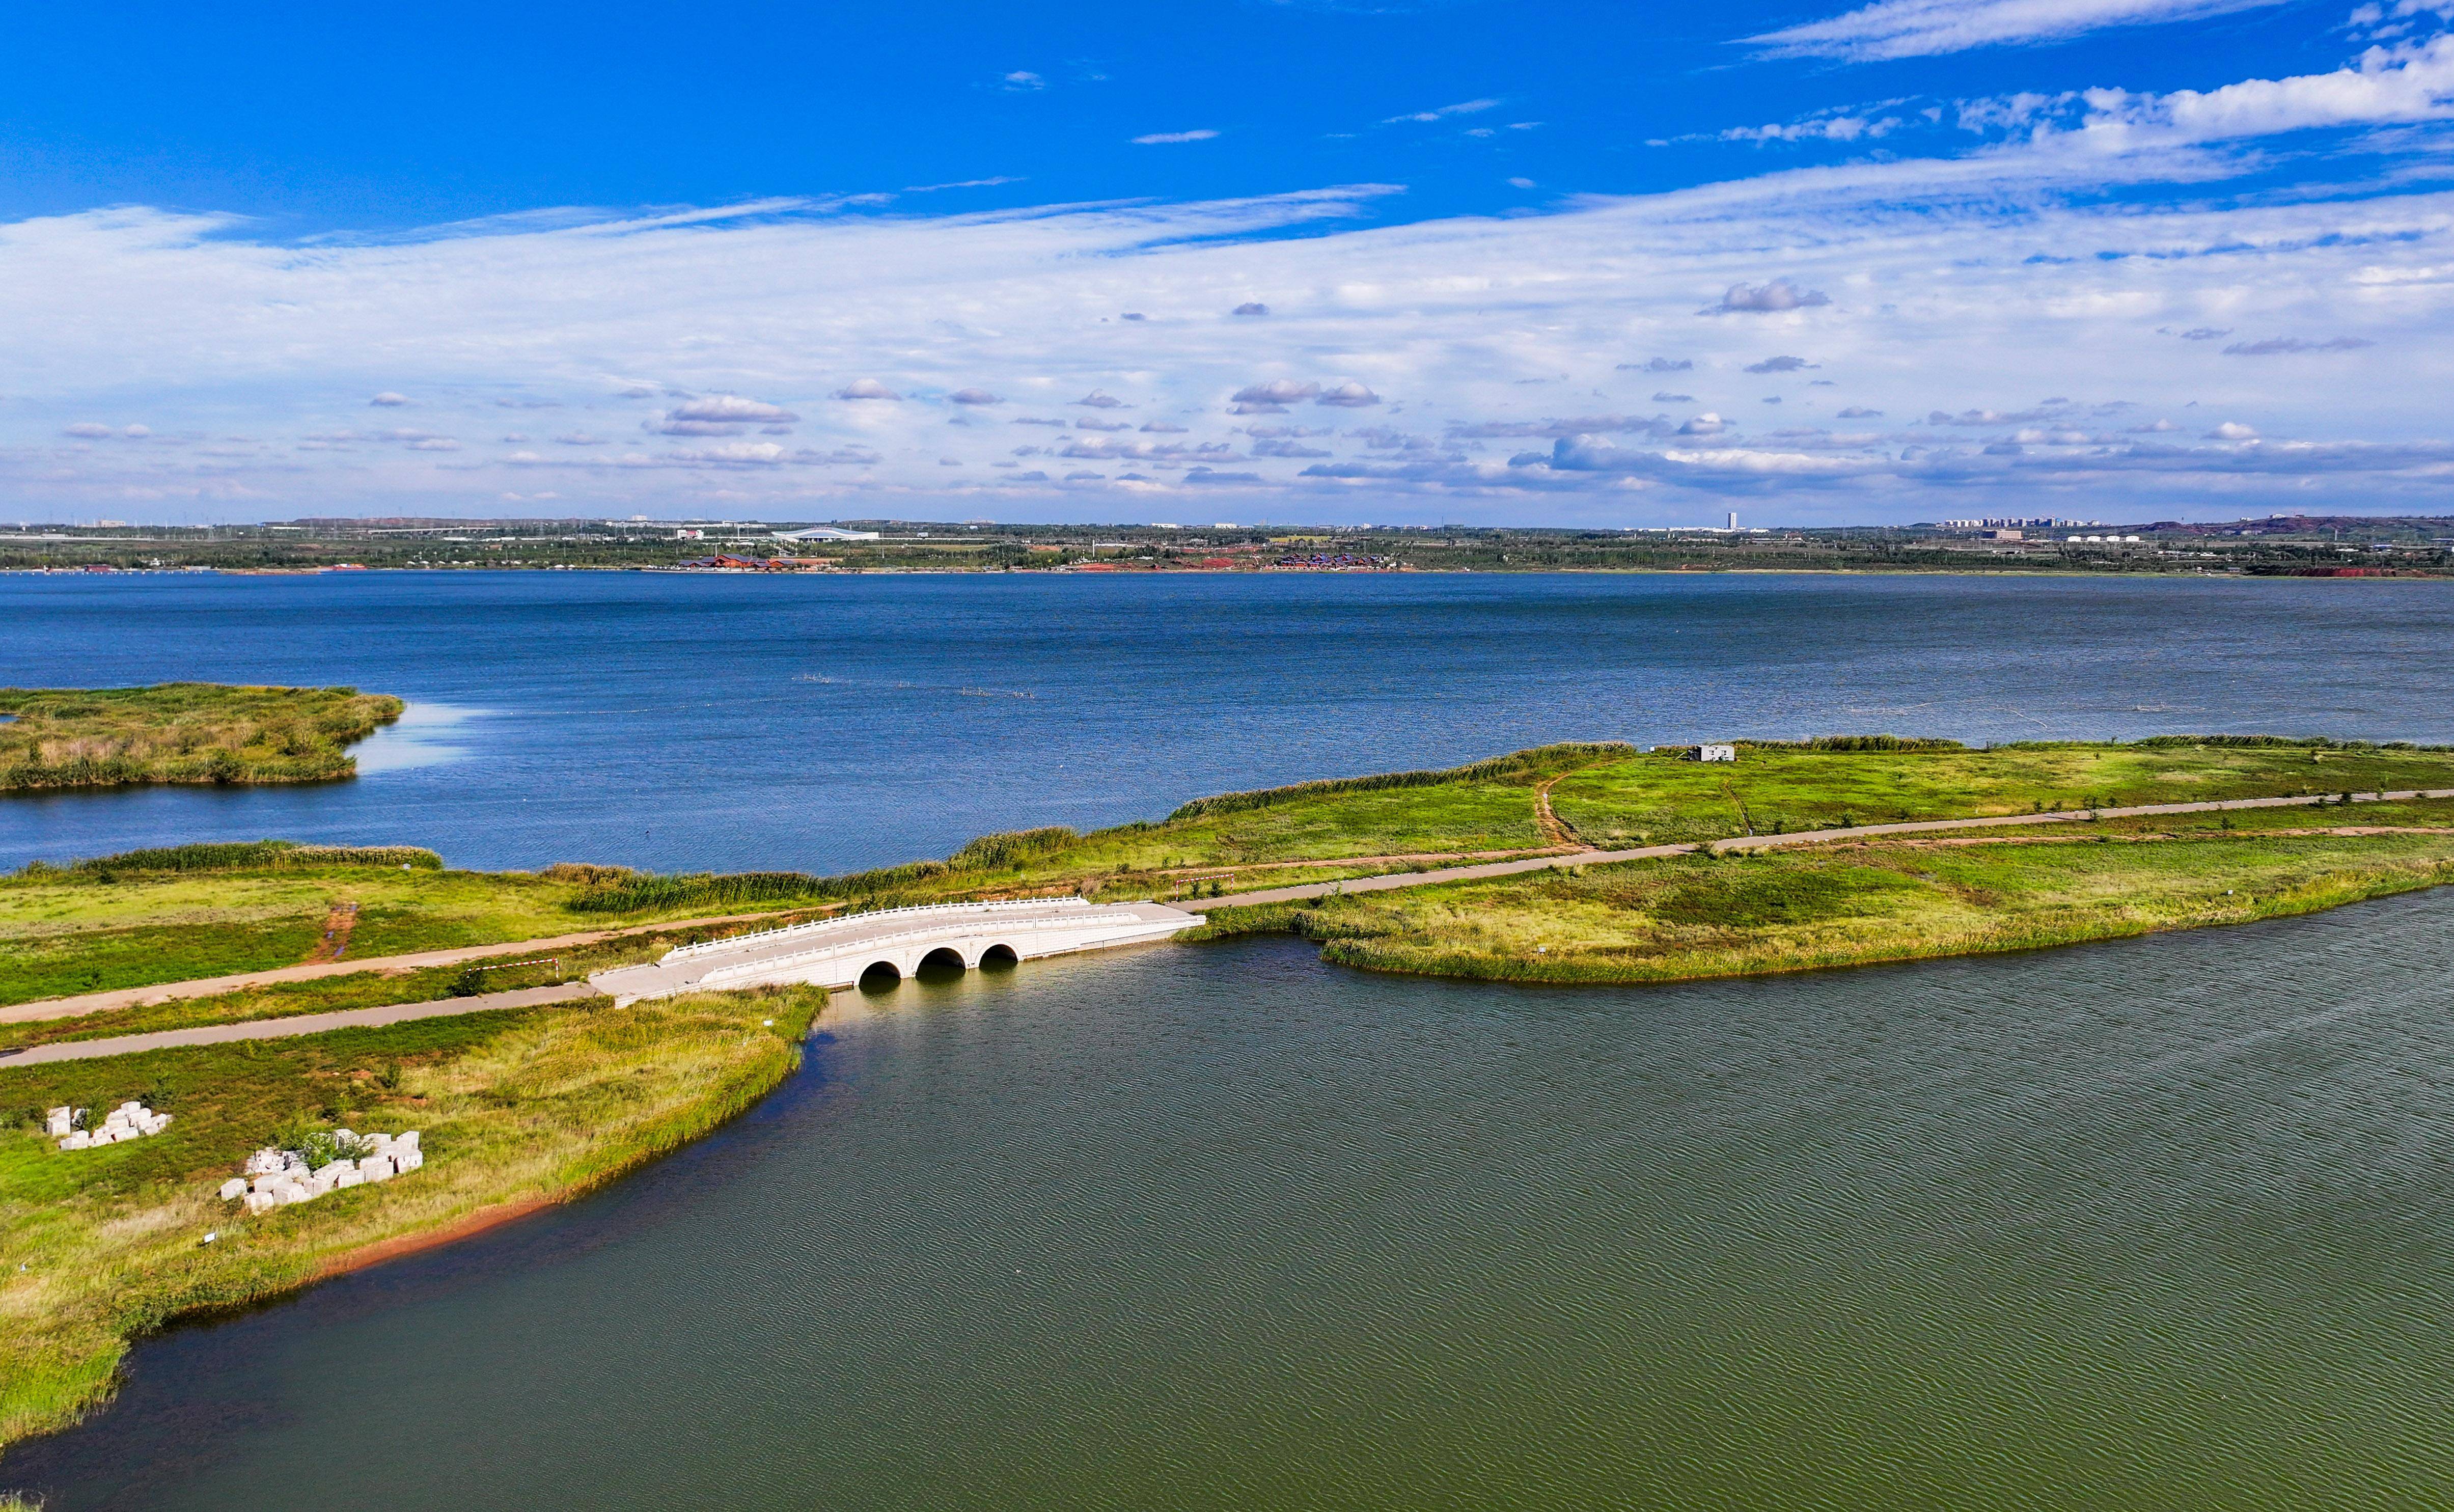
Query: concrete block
column 410, row 1139
column 375, row 1168
column 79, row 1141
column 349, row 1178
column 262, row 1201
column 409, row 1159
column 234, row 1189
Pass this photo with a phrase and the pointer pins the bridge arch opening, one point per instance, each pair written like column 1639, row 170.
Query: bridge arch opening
column 945, row 964
column 998, row 957
column 880, row 976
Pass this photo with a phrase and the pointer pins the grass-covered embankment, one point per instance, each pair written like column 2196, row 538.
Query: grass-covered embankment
column 515, row 1108
column 183, row 732
column 1851, row 905
column 150, row 917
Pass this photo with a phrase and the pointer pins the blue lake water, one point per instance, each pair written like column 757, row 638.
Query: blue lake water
column 2156, row 1224
column 823, row 724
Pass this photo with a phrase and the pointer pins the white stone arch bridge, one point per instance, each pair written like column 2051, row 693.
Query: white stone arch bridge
column 841, row 951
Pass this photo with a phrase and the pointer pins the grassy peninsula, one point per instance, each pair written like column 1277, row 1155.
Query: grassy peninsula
column 529, row 1105
column 515, row 1109
column 183, row 732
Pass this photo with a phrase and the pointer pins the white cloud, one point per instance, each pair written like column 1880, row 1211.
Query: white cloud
column 1778, row 295
column 861, row 389
column 1351, row 395
column 86, row 430
column 1442, row 112
column 389, row 400
column 1163, row 138
column 1908, row 29
column 1023, row 80
column 1966, row 286
column 975, row 396
column 2233, row 430
column 730, row 409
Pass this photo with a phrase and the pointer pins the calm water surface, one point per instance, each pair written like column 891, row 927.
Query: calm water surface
column 2155, row 1224
column 823, row 724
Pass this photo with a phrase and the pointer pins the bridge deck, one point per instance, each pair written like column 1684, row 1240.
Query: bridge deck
column 835, row 951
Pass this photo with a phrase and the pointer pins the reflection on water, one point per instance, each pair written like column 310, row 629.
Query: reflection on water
column 2158, row 1223
column 427, row 734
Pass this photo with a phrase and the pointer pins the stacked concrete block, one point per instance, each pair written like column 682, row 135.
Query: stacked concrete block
column 276, row 1178
column 129, row 1121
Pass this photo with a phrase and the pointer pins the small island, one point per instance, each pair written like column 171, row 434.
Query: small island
column 183, row 732
column 1592, row 862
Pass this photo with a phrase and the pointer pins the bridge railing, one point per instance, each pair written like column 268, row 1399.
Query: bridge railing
column 731, row 942
column 951, row 930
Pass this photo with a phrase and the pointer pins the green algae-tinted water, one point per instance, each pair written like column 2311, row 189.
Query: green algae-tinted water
column 2164, row 1224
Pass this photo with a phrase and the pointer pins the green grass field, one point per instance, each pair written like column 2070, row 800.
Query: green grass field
column 183, row 732
column 1849, row 905
column 1658, row 798
column 97, row 1246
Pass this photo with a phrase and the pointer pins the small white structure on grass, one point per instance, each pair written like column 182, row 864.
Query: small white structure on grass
column 1717, row 753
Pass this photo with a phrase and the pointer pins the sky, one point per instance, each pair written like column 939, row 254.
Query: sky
column 1387, row 261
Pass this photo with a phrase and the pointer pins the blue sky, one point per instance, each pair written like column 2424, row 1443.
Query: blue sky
column 1520, row 262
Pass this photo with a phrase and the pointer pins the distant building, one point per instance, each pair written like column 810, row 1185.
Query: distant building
column 1717, row 753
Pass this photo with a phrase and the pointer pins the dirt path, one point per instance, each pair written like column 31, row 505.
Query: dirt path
column 337, row 924
column 297, row 1024
column 1555, row 829
column 94, row 1002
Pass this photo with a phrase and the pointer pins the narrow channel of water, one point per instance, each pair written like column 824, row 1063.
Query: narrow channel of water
column 2159, row 1223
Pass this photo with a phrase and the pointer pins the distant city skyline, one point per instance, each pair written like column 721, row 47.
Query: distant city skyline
column 1475, row 262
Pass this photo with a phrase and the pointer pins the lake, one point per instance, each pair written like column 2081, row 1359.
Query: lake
column 2164, row 1222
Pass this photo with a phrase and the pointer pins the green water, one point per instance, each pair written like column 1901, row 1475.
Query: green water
column 2166, row 1223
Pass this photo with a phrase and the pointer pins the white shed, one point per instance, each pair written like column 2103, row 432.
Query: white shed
column 1717, row 753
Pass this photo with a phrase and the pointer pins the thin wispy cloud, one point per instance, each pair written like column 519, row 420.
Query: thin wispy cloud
column 1165, row 138
column 1442, row 112
column 2045, row 338
column 1910, row 29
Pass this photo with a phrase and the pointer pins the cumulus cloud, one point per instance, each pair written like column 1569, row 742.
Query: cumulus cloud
column 1665, row 396
column 1706, row 424
column 975, row 396
column 1271, row 398
column 1164, row 138
column 1350, row 395
column 1287, row 448
column 86, row 430
column 1096, row 400
column 1162, row 428
column 1023, row 81
column 574, row 438
column 1660, row 365
column 729, row 409
column 1776, row 295
column 2013, row 262
column 2275, row 345
column 389, row 400
column 1778, row 365
column 1088, row 424
column 1203, row 474
column 1860, row 412
column 1250, row 307
column 2233, row 430
column 1908, row 29
column 866, row 389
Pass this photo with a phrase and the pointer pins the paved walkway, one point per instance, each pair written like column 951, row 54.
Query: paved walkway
column 1770, row 842
column 297, row 1024
column 94, row 1002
